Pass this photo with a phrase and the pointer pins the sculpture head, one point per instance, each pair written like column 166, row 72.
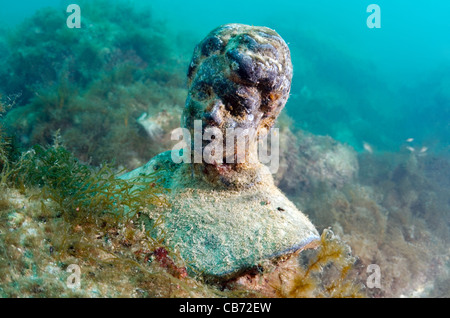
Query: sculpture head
column 239, row 77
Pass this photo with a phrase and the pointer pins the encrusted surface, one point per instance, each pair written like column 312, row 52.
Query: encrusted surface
column 221, row 232
column 225, row 218
column 239, row 77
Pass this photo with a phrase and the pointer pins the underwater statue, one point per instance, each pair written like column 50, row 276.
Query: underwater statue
column 226, row 215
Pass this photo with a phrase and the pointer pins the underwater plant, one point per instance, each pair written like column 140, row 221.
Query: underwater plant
column 90, row 86
column 328, row 271
column 56, row 211
column 116, row 88
column 82, row 53
column 3, row 144
column 311, row 281
column 7, row 150
column 77, row 188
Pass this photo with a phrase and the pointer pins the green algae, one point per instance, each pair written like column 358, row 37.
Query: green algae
column 91, row 87
column 77, row 188
column 393, row 217
column 52, row 219
column 68, row 202
column 310, row 281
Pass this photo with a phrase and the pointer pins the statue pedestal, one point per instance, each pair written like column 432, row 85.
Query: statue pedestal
column 223, row 232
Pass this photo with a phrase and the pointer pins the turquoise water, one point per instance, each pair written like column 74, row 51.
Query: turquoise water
column 113, row 89
column 356, row 84
column 387, row 72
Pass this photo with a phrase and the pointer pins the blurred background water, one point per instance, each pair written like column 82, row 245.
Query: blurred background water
column 356, row 84
column 366, row 144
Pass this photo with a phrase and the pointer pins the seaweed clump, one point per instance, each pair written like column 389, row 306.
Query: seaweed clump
column 95, row 82
column 3, row 143
column 329, row 271
column 56, row 211
column 79, row 189
column 335, row 282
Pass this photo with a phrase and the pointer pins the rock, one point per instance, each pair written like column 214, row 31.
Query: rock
column 310, row 160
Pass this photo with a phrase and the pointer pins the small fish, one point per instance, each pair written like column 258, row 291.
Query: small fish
column 424, row 149
column 411, row 149
column 367, row 147
column 410, row 140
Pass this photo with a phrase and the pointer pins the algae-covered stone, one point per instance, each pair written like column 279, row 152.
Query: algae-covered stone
column 222, row 232
column 227, row 216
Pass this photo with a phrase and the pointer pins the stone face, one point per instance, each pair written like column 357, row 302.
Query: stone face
column 239, row 77
column 225, row 218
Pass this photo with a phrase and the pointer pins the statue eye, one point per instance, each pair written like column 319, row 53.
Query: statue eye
column 211, row 45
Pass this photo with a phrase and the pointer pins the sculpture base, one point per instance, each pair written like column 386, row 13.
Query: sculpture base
column 220, row 232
